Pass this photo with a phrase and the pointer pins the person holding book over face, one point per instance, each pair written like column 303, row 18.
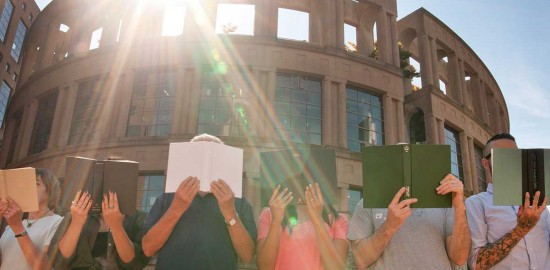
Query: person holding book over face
column 403, row 238
column 308, row 235
column 25, row 241
column 106, row 240
column 507, row 237
column 192, row 229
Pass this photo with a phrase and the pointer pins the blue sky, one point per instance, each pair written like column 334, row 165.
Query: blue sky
column 512, row 38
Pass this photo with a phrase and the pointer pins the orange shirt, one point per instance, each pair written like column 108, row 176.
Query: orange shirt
column 300, row 250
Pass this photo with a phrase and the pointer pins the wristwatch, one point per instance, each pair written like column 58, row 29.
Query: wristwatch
column 232, row 221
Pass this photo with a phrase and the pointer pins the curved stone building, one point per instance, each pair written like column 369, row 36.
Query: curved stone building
column 128, row 77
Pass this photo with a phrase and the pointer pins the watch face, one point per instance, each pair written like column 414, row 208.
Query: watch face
column 231, row 222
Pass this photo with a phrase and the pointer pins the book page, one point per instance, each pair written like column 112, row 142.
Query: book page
column 227, row 164
column 184, row 159
column 21, row 187
column 206, row 160
column 3, row 187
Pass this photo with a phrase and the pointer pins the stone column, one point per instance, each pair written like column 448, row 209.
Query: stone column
column 45, row 54
column 465, row 95
column 441, row 130
column 389, row 120
column 456, row 87
column 70, row 92
column 434, row 63
column 484, row 104
column 432, row 134
column 125, row 91
column 384, row 48
column 27, row 126
column 194, row 98
column 394, row 39
column 466, row 166
column 400, row 121
column 472, row 160
column 342, row 115
column 327, row 124
column 340, row 36
column 179, row 121
column 426, row 64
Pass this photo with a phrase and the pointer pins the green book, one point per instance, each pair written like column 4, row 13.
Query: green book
column 517, row 171
column 419, row 168
column 296, row 168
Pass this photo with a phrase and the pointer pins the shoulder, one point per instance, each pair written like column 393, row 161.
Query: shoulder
column 477, row 200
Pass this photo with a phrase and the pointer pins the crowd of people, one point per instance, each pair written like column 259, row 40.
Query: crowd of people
column 192, row 229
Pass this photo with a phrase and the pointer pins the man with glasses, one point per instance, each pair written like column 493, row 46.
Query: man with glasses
column 507, row 237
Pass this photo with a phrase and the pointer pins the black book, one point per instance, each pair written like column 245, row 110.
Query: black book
column 98, row 177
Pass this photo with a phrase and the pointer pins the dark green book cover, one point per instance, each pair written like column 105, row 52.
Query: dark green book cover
column 419, row 168
column 296, row 168
column 517, row 171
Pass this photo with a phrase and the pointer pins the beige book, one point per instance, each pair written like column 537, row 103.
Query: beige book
column 20, row 185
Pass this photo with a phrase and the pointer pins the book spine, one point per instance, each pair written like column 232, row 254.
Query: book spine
column 97, row 186
column 407, row 171
column 525, row 174
column 539, row 171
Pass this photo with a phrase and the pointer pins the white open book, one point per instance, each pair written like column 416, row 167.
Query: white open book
column 20, row 185
column 208, row 161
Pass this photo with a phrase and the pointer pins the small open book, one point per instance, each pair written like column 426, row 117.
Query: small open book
column 208, row 161
column 20, row 185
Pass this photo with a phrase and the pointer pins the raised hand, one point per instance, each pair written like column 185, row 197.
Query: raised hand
column 225, row 197
column 3, row 207
column 13, row 216
column 80, row 207
column 398, row 212
column 529, row 215
column 278, row 203
column 314, row 202
column 185, row 194
column 451, row 184
column 111, row 211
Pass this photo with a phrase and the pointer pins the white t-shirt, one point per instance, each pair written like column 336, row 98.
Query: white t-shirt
column 40, row 233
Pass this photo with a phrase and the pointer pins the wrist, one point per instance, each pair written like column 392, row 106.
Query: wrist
column 387, row 230
column 117, row 227
column 229, row 214
column 18, row 229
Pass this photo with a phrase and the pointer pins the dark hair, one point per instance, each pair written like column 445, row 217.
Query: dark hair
column 327, row 210
column 500, row 136
column 52, row 186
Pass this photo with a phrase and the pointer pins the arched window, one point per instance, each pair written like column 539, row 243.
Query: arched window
column 417, row 129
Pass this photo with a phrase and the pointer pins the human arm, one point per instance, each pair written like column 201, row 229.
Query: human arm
column 241, row 239
column 367, row 250
column 114, row 218
column 35, row 257
column 157, row 236
column 268, row 246
column 334, row 252
column 79, row 214
column 459, row 242
column 492, row 253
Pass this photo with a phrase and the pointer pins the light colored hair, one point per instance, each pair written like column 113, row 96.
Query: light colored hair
column 206, row 138
column 52, row 186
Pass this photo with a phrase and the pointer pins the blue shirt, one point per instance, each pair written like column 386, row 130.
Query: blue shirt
column 200, row 239
column 489, row 223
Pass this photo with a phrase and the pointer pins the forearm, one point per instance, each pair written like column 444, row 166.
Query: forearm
column 461, row 240
column 269, row 248
column 366, row 251
column 67, row 244
column 156, row 237
column 123, row 244
column 242, row 242
column 492, row 254
column 34, row 257
column 331, row 257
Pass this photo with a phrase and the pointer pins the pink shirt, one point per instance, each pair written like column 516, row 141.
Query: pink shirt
column 300, row 250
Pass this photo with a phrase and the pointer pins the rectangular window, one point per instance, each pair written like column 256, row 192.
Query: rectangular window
column 354, row 196
column 480, row 170
column 293, row 24
column 5, row 19
column 150, row 187
column 364, row 119
column 350, row 37
column 5, row 91
column 452, row 139
column 235, row 19
column 95, row 42
column 18, row 41
column 298, row 105
column 87, row 108
column 43, row 123
column 151, row 106
column 174, row 20
column 224, row 109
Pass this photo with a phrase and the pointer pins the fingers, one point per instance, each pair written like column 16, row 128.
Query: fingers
column 115, row 200
column 397, row 196
column 88, row 206
column 406, row 203
column 185, row 183
column 82, row 199
column 77, row 196
column 104, row 203
column 226, row 187
column 274, row 194
column 526, row 202
column 543, row 206
column 536, row 199
column 319, row 194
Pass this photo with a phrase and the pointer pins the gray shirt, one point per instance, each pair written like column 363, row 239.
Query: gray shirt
column 419, row 243
column 489, row 223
